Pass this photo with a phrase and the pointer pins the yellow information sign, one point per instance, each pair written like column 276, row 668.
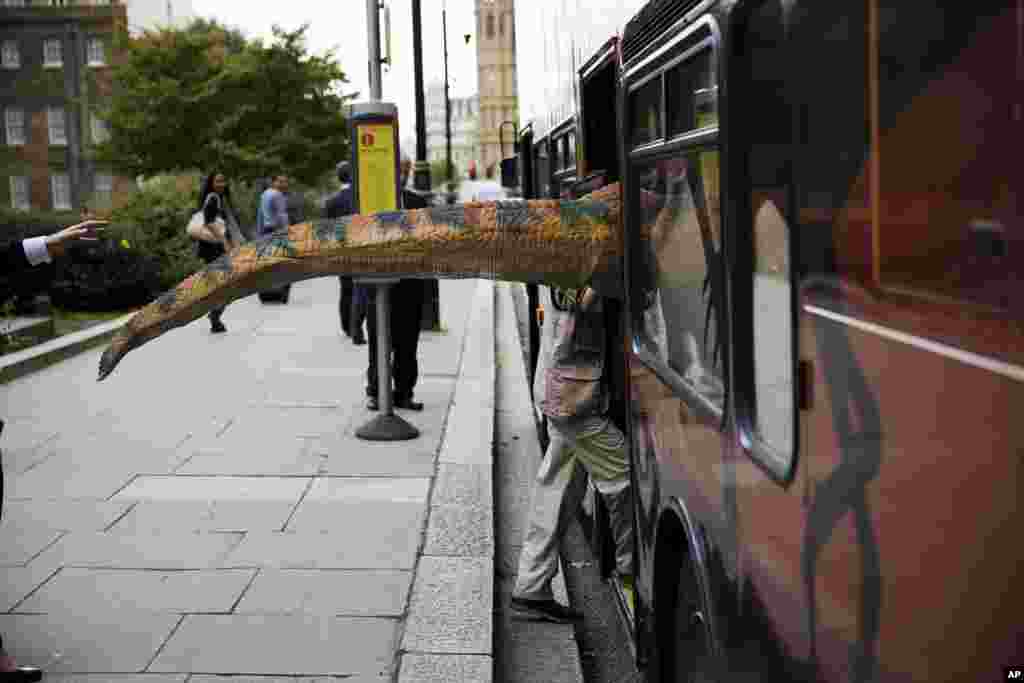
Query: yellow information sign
column 376, row 171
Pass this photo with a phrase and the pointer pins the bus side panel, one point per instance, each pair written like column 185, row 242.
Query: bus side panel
column 913, row 523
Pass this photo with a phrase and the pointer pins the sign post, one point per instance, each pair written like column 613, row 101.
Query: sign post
column 374, row 135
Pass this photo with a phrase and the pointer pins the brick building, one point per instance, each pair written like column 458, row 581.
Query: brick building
column 55, row 58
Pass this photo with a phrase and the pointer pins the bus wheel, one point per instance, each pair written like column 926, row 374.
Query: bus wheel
column 684, row 640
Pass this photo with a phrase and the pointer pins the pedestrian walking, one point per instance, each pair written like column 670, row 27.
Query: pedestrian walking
column 17, row 256
column 273, row 209
column 271, row 216
column 351, row 309
column 571, row 391
column 405, row 318
column 215, row 203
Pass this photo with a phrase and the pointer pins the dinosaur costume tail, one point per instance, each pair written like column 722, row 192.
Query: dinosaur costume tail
column 556, row 242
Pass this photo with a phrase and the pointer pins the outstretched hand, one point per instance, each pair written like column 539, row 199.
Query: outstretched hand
column 86, row 230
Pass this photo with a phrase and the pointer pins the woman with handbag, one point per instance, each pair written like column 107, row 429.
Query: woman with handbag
column 214, row 229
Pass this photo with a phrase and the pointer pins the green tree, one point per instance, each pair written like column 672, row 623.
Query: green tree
column 206, row 98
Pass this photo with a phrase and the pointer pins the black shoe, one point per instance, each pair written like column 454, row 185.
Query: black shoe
column 544, row 610
column 23, row 674
column 408, row 404
column 359, row 340
column 218, row 328
column 372, row 403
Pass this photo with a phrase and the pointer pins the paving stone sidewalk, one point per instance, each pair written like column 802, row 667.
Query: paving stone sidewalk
column 208, row 511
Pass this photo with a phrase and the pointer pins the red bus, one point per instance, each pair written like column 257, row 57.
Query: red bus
column 822, row 374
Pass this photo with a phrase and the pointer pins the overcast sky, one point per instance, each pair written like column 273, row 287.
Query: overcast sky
column 341, row 24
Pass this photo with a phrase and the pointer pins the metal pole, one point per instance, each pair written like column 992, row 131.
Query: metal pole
column 447, row 103
column 373, row 42
column 384, row 396
column 421, row 177
column 387, row 426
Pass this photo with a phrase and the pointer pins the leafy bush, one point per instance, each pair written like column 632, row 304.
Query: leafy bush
column 105, row 276
column 152, row 225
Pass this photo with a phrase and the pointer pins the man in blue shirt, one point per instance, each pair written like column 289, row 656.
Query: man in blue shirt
column 272, row 215
column 273, row 211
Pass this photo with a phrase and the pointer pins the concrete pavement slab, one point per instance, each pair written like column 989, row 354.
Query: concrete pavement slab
column 19, row 582
column 106, row 642
column 375, row 546
column 83, row 591
column 451, row 606
column 210, row 515
column 71, row 477
column 19, row 543
column 64, row 514
column 349, row 489
column 358, row 678
column 327, row 593
column 214, row 488
column 249, row 420
column 420, row 668
column 172, row 550
column 348, row 457
column 356, row 518
column 117, row 678
column 281, row 645
column 279, row 455
column 25, row 433
column 312, row 387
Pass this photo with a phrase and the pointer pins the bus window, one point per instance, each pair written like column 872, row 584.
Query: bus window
column 692, row 95
column 770, row 136
column 645, row 112
column 681, row 231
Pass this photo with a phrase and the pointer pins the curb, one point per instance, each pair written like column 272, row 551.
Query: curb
column 449, row 628
column 36, row 358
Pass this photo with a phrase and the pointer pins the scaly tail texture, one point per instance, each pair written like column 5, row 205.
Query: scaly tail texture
column 557, row 242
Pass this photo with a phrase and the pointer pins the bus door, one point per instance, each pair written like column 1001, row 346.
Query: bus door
column 679, row 352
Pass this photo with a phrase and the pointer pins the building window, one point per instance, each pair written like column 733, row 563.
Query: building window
column 96, row 54
column 490, row 26
column 58, row 3
column 52, row 53
column 11, row 55
column 14, row 126
column 501, row 25
column 103, row 190
column 55, row 123
column 19, row 193
column 14, row 3
column 100, row 130
column 60, row 191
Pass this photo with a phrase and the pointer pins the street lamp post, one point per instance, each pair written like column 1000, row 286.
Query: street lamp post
column 447, row 103
column 421, row 179
column 431, row 319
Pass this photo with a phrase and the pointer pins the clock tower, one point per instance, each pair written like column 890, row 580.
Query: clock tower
column 496, row 60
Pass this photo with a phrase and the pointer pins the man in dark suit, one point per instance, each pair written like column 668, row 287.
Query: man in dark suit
column 406, row 314
column 352, row 312
column 22, row 255
column 36, row 250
